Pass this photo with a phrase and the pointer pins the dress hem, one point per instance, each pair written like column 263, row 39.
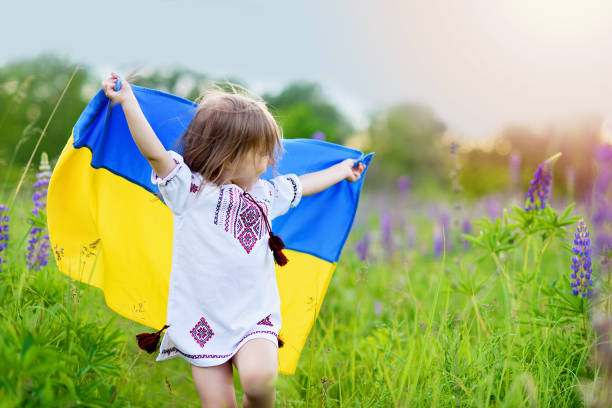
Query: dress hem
column 216, row 359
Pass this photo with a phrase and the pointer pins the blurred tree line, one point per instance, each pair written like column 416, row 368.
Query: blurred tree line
column 519, row 149
column 409, row 138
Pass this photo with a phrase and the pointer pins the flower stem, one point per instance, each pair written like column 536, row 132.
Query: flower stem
column 553, row 157
column 541, row 252
column 526, row 257
column 480, row 321
column 586, row 334
column 507, row 287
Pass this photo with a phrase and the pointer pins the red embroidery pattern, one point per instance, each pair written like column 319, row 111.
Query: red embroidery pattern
column 172, row 349
column 201, row 332
column 266, row 321
column 193, row 188
column 240, row 217
column 229, row 209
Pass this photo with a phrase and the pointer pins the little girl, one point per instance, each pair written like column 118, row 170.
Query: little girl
column 223, row 300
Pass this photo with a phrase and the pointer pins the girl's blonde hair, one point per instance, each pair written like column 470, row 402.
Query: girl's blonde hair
column 226, row 126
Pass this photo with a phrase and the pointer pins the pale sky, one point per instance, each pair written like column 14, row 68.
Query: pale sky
column 477, row 63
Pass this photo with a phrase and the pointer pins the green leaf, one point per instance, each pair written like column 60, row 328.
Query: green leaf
column 473, row 240
column 27, row 343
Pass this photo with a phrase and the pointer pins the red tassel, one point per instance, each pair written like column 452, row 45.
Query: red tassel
column 276, row 244
column 148, row 341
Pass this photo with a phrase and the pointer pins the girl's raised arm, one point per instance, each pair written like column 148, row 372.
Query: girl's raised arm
column 312, row 183
column 144, row 136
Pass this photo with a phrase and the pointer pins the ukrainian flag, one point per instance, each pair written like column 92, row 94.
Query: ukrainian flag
column 108, row 228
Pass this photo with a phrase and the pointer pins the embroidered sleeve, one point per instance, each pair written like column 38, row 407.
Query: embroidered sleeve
column 175, row 188
column 286, row 192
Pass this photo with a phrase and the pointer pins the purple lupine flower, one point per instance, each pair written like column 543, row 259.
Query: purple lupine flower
column 466, row 228
column 514, row 162
column 403, row 184
column 438, row 242
column 602, row 205
column 581, row 262
column 445, row 226
column 318, row 135
column 604, row 153
column 363, row 247
column 539, row 186
column 604, row 159
column 33, row 240
column 377, row 307
column 603, row 242
column 385, row 225
column 38, row 250
column 445, row 222
column 4, row 228
column 603, row 178
column 602, row 213
column 493, row 207
column 411, row 233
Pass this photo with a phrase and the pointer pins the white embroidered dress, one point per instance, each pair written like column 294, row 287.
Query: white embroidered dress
column 223, row 289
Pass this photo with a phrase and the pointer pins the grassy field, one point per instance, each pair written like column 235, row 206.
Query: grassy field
column 491, row 323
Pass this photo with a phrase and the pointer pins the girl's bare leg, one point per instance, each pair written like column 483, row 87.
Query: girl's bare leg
column 257, row 364
column 215, row 385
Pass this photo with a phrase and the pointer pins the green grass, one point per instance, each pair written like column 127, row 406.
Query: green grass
column 445, row 336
